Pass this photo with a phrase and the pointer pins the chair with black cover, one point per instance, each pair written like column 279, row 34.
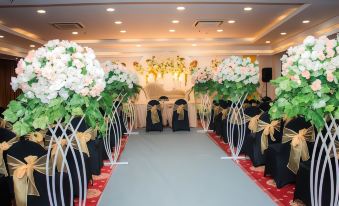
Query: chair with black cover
column 266, row 99
column 225, row 108
column 264, row 106
column 154, row 117
column 1, row 111
column 7, row 139
column 29, row 153
column 252, row 115
column 218, row 116
column 163, row 98
column 214, row 111
column 267, row 132
column 180, row 119
column 282, row 159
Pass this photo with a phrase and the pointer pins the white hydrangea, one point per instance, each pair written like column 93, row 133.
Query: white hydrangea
column 202, row 75
column 118, row 72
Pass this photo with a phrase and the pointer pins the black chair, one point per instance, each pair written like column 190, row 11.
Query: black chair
column 163, row 98
column 1, row 111
column 25, row 148
column 155, row 123
column 256, row 152
column 278, row 155
column 250, row 112
column 180, row 121
column 266, row 99
column 264, row 106
column 225, row 109
column 6, row 187
column 218, row 117
column 214, row 110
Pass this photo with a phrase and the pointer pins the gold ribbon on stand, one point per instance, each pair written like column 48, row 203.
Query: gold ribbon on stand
column 253, row 122
column 37, row 137
column 180, row 109
column 5, row 124
column 299, row 149
column 224, row 113
column 23, row 178
column 268, row 131
column 4, row 146
column 154, row 113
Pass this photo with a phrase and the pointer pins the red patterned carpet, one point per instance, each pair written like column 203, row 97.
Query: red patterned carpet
column 283, row 196
column 99, row 182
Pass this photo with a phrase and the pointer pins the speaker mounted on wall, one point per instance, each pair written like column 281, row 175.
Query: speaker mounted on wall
column 266, row 75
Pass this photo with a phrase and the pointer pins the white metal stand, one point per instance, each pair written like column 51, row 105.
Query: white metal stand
column 205, row 113
column 129, row 116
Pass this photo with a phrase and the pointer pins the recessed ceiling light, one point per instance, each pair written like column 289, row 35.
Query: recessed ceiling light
column 231, row 21
column 194, row 45
column 138, row 45
column 123, row 31
column 75, row 32
column 175, row 21
column 41, row 11
column 220, row 30
column 283, row 33
column 180, row 8
column 32, row 45
column 267, row 42
column 171, row 30
column 118, row 22
column 110, row 9
column 306, row 21
column 248, row 9
column 1, row 36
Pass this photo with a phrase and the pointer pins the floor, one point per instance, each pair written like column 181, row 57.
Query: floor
column 179, row 169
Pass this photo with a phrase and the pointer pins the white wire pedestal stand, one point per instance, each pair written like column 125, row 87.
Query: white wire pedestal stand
column 324, row 152
column 114, row 130
column 236, row 113
column 129, row 117
column 65, row 143
column 205, row 113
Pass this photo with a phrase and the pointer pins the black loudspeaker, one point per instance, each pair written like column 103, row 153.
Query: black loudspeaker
column 266, row 74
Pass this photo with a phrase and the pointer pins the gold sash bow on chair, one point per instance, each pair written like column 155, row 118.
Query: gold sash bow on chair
column 4, row 146
column 59, row 158
column 84, row 137
column 299, row 147
column 252, row 122
column 180, row 109
column 37, row 137
column 224, row 113
column 23, row 178
column 5, row 124
column 154, row 113
column 268, row 131
column 235, row 116
column 216, row 111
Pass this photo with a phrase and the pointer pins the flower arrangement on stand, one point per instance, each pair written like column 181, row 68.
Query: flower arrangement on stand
column 309, row 87
column 236, row 77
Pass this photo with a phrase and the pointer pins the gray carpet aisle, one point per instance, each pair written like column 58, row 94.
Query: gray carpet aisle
column 179, row 169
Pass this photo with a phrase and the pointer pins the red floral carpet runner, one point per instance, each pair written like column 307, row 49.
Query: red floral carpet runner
column 94, row 191
column 282, row 197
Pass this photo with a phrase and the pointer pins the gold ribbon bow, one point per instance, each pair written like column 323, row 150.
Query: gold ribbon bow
column 268, row 131
column 253, row 122
column 23, row 179
column 59, row 158
column 235, row 116
column 4, row 146
column 5, row 124
column 84, row 137
column 37, row 137
column 154, row 113
column 180, row 109
column 224, row 113
column 299, row 147
column 216, row 111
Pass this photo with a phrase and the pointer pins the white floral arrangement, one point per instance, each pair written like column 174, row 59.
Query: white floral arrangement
column 118, row 72
column 237, row 76
column 309, row 85
column 202, row 75
column 58, row 68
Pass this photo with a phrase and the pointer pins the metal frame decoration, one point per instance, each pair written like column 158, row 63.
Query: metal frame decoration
column 129, row 117
column 237, row 115
column 205, row 113
column 325, row 150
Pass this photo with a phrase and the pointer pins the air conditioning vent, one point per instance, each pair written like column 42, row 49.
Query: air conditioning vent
column 208, row 23
column 67, row 25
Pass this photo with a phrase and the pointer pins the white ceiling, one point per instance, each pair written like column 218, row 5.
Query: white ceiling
column 148, row 22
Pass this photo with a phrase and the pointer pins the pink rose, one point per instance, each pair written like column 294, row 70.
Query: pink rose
column 330, row 53
column 330, row 76
column 305, row 74
column 316, row 85
column 321, row 56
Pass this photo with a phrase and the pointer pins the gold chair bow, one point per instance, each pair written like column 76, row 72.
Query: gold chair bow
column 216, row 111
column 154, row 113
column 299, row 147
column 23, row 178
column 252, row 122
column 235, row 116
column 5, row 124
column 180, row 109
column 84, row 137
column 59, row 158
column 224, row 113
column 37, row 137
column 268, row 131
column 4, row 146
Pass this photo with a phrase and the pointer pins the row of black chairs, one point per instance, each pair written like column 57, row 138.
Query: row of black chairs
column 178, row 123
column 274, row 152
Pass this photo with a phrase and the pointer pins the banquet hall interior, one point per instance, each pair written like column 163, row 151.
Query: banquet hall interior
column 169, row 103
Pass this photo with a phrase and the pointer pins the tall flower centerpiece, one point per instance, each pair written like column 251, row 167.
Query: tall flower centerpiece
column 309, row 87
column 236, row 77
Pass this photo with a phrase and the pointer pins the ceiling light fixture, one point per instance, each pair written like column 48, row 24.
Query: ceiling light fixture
column 267, row 42
column 1, row 36
column 306, row 21
column 220, row 30
column 180, row 8
column 231, row 21
column 194, row 45
column 75, row 33
column 283, row 33
column 171, row 30
column 248, row 9
column 32, row 45
column 110, row 9
column 41, row 11
column 123, row 31
column 118, row 22
column 175, row 21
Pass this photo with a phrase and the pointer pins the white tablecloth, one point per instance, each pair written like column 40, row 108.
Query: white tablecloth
column 167, row 113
